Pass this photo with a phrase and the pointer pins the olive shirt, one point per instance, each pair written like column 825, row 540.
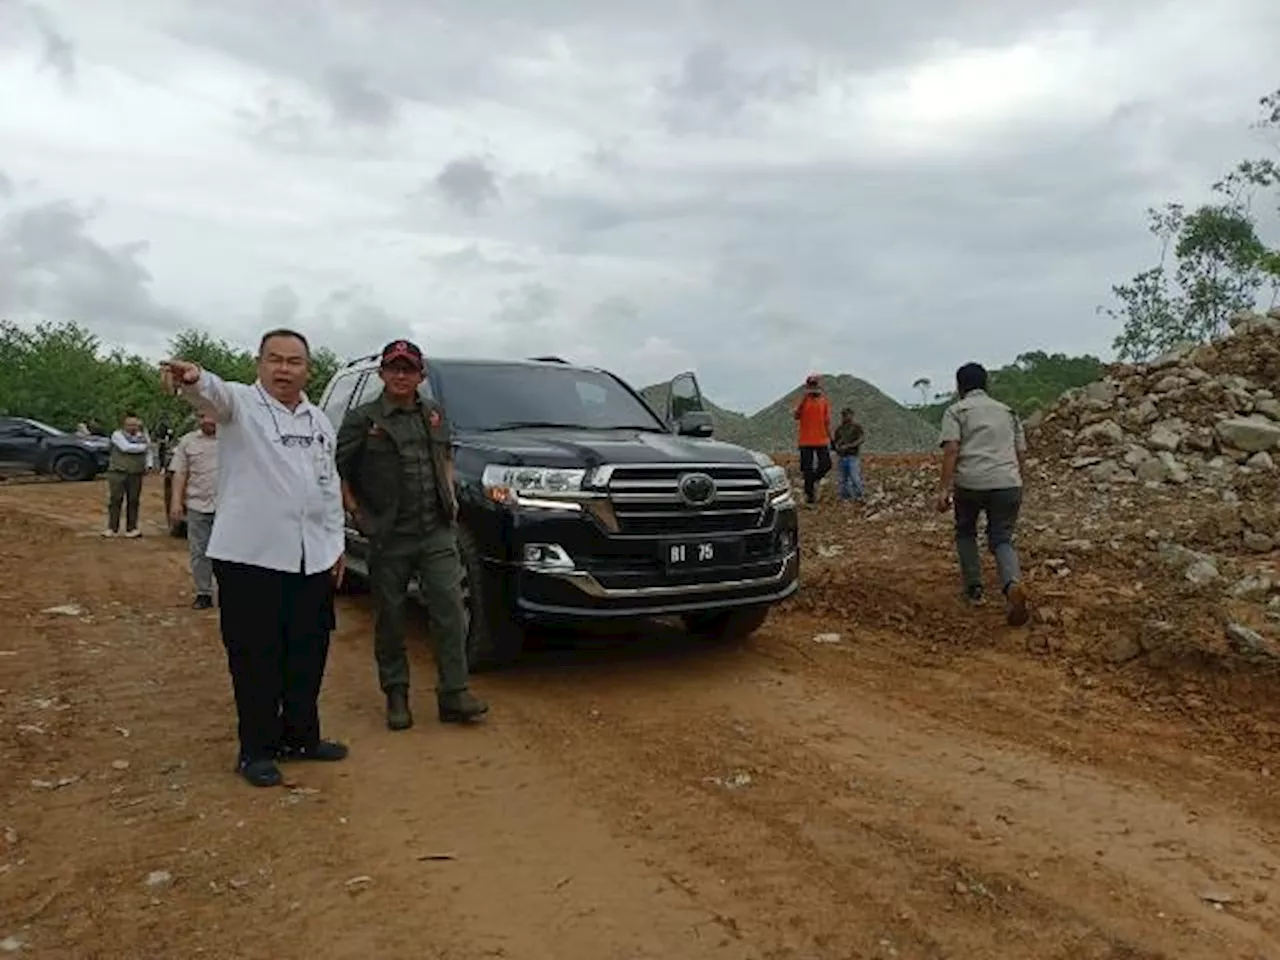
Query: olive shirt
column 395, row 460
column 990, row 437
column 847, row 439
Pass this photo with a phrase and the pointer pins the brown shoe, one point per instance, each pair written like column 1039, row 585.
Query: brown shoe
column 1016, row 596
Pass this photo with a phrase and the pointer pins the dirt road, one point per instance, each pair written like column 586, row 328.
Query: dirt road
column 912, row 783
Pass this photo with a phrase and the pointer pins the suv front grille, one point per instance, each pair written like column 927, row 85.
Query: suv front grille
column 647, row 502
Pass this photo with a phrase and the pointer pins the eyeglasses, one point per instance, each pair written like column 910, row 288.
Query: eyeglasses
column 289, row 439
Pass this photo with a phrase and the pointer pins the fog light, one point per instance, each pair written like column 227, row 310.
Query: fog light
column 786, row 542
column 547, row 556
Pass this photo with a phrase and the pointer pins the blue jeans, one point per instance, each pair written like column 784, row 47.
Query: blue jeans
column 851, row 478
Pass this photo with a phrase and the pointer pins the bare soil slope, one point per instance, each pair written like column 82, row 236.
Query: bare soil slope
column 878, row 773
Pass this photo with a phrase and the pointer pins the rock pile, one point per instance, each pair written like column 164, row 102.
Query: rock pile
column 1208, row 412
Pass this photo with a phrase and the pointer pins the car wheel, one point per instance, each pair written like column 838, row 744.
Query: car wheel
column 71, row 467
column 727, row 624
column 494, row 638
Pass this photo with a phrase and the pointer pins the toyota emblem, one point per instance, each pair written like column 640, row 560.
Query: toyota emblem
column 697, row 489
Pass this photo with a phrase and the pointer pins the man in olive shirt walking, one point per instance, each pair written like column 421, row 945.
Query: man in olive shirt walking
column 983, row 466
column 395, row 458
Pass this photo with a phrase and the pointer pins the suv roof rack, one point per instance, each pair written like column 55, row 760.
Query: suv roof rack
column 549, row 359
column 365, row 359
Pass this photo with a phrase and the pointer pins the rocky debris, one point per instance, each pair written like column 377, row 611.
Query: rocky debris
column 66, row 610
column 1251, row 643
column 1201, row 423
column 1200, row 411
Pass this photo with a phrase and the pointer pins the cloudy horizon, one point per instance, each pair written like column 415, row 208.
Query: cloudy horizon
column 751, row 190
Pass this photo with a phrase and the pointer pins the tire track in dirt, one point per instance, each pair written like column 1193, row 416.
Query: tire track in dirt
column 861, row 834
column 891, row 807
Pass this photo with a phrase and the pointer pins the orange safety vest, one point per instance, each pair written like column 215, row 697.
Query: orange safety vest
column 815, row 421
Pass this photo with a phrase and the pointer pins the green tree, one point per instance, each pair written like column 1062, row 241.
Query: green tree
column 1212, row 262
column 62, row 374
column 238, row 363
column 923, row 384
column 1033, row 381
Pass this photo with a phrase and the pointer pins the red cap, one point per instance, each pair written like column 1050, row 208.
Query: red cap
column 402, row 350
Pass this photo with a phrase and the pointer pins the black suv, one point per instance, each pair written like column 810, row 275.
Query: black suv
column 29, row 446
column 580, row 503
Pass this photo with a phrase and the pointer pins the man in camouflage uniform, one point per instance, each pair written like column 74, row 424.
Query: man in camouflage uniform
column 395, row 457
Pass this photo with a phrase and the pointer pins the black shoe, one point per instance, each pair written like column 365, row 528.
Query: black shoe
column 975, row 595
column 398, row 715
column 202, row 602
column 324, row 751
column 461, row 707
column 260, row 773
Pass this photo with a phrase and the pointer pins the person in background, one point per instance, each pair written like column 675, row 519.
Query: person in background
column 847, row 443
column 195, row 492
column 82, row 430
column 813, row 414
column 983, row 466
column 395, row 458
column 277, row 549
column 162, row 446
column 126, row 465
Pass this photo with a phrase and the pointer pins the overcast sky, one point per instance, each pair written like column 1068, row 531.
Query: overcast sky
column 748, row 188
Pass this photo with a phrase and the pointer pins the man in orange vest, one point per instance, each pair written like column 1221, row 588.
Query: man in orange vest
column 813, row 413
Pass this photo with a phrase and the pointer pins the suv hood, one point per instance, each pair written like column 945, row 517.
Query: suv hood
column 559, row 447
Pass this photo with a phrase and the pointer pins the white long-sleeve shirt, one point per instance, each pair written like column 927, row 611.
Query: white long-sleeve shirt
column 279, row 498
column 127, row 444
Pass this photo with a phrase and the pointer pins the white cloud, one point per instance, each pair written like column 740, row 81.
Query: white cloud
column 745, row 192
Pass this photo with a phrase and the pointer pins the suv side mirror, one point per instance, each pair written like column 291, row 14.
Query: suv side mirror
column 686, row 414
column 695, row 423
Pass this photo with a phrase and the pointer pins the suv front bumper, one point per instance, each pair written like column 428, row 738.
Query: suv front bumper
column 564, row 568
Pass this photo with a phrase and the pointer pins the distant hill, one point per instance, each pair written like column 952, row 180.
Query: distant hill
column 891, row 427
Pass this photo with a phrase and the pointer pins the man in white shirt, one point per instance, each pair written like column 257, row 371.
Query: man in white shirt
column 195, row 494
column 277, row 549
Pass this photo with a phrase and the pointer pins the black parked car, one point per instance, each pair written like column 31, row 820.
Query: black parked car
column 29, row 446
column 579, row 503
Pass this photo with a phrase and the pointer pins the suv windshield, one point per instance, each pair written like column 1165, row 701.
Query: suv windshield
column 496, row 396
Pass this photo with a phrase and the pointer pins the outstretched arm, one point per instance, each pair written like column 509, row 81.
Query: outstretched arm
column 204, row 390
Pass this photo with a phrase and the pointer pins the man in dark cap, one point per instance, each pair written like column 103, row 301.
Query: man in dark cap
column 395, row 457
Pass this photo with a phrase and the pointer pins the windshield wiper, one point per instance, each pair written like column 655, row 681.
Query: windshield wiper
column 553, row 425
column 530, row 424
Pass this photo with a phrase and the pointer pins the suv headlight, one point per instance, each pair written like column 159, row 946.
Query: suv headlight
column 778, row 479
column 533, row 486
column 776, row 476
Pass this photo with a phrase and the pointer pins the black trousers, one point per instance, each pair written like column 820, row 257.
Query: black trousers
column 275, row 627
column 815, row 463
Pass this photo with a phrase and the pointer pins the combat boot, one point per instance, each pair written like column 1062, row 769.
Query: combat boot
column 461, row 706
column 398, row 715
